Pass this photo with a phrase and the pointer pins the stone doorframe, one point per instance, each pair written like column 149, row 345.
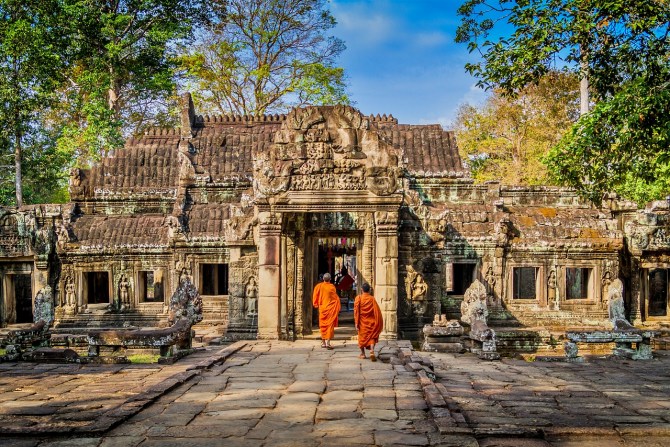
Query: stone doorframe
column 379, row 263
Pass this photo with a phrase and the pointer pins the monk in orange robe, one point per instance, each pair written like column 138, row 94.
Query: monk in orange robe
column 326, row 300
column 368, row 320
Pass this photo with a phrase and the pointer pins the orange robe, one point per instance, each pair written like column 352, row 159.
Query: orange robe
column 326, row 300
column 368, row 319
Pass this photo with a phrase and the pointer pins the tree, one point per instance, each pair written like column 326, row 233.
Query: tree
column 265, row 56
column 31, row 57
column 507, row 137
column 122, row 71
column 623, row 47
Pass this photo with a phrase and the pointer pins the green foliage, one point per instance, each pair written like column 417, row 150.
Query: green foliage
column 622, row 47
column 122, row 71
column 265, row 56
column 31, row 60
column 143, row 358
column 76, row 78
column 623, row 146
column 506, row 138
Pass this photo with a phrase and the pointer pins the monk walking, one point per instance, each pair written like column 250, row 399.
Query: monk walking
column 368, row 321
column 326, row 300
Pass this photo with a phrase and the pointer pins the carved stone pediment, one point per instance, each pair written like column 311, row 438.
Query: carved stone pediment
column 326, row 148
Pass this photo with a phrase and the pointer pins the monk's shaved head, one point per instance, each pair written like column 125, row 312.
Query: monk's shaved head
column 365, row 287
column 326, row 277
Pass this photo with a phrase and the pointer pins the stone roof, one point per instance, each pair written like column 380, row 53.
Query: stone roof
column 587, row 227
column 223, row 147
column 105, row 232
column 428, row 149
column 145, row 165
column 207, row 219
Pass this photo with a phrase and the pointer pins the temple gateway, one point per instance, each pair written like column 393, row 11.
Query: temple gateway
column 254, row 209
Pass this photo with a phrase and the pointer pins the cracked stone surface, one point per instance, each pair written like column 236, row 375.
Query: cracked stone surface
column 276, row 393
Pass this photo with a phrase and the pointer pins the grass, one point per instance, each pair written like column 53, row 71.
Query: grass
column 143, row 358
column 2, row 351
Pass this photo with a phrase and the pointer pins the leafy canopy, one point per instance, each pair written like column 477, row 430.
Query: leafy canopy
column 623, row 47
column 32, row 57
column 506, row 138
column 122, row 72
column 265, row 56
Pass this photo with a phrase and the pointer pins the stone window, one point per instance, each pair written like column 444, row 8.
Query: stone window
column 214, row 279
column 658, row 293
column 524, row 283
column 462, row 275
column 151, row 286
column 97, row 285
column 578, row 283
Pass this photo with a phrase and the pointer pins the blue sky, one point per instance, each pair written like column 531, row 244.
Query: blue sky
column 401, row 58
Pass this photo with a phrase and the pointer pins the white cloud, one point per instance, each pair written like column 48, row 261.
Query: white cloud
column 431, row 39
column 363, row 23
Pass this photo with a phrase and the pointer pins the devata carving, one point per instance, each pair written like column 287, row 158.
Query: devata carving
column 416, row 287
column 326, row 148
column 251, row 297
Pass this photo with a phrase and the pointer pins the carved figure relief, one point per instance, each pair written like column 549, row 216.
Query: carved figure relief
column 70, row 294
column 124, row 292
column 183, row 269
column 251, row 297
column 326, row 148
column 419, row 289
column 74, row 182
column 502, row 231
column 410, row 279
column 552, row 300
column 606, row 281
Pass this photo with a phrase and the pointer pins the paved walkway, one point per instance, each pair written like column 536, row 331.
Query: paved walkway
column 298, row 394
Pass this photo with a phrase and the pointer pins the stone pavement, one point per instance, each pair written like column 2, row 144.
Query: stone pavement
column 73, row 398
column 602, row 402
column 274, row 393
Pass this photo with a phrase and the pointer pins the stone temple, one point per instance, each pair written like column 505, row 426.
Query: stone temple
column 252, row 210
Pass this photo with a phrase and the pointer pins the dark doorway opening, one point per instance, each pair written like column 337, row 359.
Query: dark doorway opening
column 658, row 293
column 337, row 255
column 23, row 292
column 463, row 276
column 98, row 287
column 214, row 280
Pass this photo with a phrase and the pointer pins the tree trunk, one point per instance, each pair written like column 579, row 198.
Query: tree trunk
column 17, row 168
column 113, row 93
column 584, row 86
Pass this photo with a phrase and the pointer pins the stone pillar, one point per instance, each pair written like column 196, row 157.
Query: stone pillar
column 269, row 278
column 636, row 297
column 386, row 271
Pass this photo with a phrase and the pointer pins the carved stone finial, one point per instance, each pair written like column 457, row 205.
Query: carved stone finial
column 617, row 311
column 44, row 307
column 185, row 303
column 473, row 307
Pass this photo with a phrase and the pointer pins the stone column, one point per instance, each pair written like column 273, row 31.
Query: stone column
column 386, row 271
column 636, row 297
column 269, row 304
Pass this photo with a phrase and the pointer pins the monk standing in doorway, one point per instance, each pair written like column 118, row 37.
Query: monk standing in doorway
column 326, row 300
column 368, row 321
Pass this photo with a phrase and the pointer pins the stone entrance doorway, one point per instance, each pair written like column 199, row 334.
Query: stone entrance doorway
column 16, row 294
column 23, row 295
column 337, row 254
